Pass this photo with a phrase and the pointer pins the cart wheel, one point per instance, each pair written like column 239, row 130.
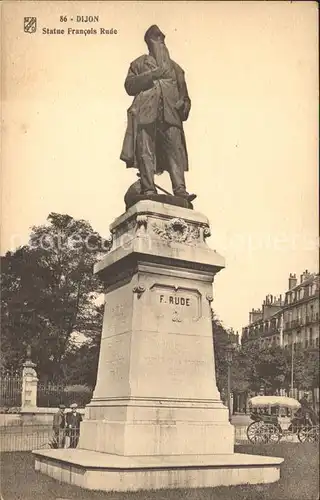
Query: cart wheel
column 253, row 432
column 256, row 433
column 273, row 433
column 307, row 434
column 261, row 433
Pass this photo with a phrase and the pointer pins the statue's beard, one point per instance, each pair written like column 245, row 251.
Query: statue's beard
column 161, row 54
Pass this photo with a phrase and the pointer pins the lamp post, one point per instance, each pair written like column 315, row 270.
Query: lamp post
column 292, row 363
column 229, row 356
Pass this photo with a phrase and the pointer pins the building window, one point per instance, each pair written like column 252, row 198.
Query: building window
column 299, row 315
column 317, row 342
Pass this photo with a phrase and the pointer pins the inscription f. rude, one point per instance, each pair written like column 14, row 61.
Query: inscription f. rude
column 178, row 301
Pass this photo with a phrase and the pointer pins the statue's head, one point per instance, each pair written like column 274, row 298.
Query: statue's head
column 155, row 34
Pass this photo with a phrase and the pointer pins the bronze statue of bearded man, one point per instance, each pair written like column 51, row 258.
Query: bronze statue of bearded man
column 154, row 139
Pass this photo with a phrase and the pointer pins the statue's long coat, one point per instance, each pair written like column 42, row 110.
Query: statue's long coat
column 143, row 111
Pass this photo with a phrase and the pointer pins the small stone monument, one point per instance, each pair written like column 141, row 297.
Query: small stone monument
column 29, row 384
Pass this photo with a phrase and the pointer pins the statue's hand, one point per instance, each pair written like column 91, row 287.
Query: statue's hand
column 156, row 73
column 159, row 73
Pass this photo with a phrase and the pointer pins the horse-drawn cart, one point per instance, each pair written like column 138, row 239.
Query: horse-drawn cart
column 277, row 416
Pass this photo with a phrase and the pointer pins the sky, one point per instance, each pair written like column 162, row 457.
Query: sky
column 252, row 134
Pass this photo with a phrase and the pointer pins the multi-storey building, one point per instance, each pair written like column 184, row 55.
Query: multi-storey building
column 301, row 312
column 292, row 323
column 265, row 324
column 294, row 320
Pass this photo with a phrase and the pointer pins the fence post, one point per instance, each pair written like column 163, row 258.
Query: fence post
column 29, row 383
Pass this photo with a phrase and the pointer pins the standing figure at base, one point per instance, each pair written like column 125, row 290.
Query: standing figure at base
column 59, row 421
column 154, row 139
column 73, row 420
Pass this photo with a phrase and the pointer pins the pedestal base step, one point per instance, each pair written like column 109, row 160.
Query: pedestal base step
column 102, row 471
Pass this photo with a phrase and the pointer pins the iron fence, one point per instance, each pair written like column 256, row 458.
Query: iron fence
column 10, row 389
column 34, row 437
column 25, row 437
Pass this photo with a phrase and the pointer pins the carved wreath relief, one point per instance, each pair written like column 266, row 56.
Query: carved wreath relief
column 177, row 230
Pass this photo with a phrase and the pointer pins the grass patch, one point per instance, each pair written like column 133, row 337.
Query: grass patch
column 299, row 480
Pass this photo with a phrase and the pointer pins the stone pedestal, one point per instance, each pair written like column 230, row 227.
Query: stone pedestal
column 156, row 392
column 156, row 396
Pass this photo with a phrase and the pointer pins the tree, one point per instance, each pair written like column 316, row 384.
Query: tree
column 267, row 367
column 49, row 292
column 222, row 337
column 240, row 372
column 305, row 368
column 80, row 363
column 272, row 369
column 220, row 341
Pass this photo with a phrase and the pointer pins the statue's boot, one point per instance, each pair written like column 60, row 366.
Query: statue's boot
column 187, row 196
column 191, row 197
